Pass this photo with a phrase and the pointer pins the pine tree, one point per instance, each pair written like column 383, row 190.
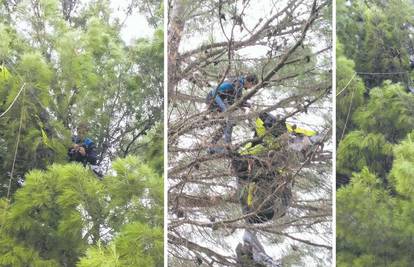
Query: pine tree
column 374, row 227
column 350, row 93
column 61, row 212
column 376, row 35
column 374, row 162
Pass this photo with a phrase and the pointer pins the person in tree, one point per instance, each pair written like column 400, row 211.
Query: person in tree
column 264, row 183
column 225, row 95
column 83, row 149
column 256, row 177
column 263, row 192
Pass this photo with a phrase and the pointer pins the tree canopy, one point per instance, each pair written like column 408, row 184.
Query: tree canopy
column 374, row 133
column 64, row 216
column 377, row 35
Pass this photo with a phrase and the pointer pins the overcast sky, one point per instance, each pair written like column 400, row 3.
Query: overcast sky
column 136, row 24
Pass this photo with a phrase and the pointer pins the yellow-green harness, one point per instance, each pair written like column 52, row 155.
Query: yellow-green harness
column 269, row 142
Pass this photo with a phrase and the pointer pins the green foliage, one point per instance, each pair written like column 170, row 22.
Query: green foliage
column 388, row 111
column 370, row 228
column 152, row 149
column 154, row 11
column 136, row 245
column 4, row 42
column 373, row 228
column 59, row 213
column 35, row 71
column 376, row 36
column 359, row 150
column 75, row 67
column 403, row 168
column 374, row 211
column 45, row 217
column 132, row 183
column 365, row 210
column 14, row 254
column 351, row 91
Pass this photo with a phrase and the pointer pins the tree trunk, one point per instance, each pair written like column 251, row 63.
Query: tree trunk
column 175, row 31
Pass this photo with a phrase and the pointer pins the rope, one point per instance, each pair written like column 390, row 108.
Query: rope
column 347, row 115
column 14, row 100
column 17, row 146
column 343, row 89
column 382, row 73
column 371, row 73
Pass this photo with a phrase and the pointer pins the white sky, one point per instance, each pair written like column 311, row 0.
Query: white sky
column 136, row 25
column 255, row 11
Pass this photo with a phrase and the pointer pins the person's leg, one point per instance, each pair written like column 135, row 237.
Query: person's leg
column 218, row 135
column 228, row 131
column 223, row 107
column 258, row 252
column 225, row 132
column 220, row 103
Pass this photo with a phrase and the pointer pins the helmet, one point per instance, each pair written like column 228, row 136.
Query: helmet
column 268, row 119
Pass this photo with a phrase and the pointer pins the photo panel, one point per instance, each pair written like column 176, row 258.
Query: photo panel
column 81, row 133
column 249, row 133
column 374, row 133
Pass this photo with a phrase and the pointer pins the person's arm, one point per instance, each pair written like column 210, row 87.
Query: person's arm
column 72, row 152
column 220, row 103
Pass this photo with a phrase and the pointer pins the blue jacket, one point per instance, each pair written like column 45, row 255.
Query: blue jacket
column 89, row 146
column 226, row 93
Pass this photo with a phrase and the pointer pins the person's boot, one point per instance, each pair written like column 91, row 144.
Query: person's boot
column 245, row 256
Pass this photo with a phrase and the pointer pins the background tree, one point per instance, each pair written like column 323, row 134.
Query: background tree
column 288, row 46
column 377, row 36
column 374, row 163
column 64, row 212
column 374, row 227
column 351, row 98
